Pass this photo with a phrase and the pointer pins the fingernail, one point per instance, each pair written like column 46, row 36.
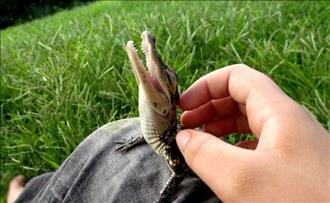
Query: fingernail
column 182, row 139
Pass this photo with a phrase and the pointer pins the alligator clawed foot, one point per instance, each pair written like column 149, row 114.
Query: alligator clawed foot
column 123, row 148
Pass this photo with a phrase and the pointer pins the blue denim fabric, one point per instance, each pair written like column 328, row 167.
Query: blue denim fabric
column 95, row 172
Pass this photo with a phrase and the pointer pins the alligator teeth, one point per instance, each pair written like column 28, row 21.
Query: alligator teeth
column 143, row 50
column 131, row 43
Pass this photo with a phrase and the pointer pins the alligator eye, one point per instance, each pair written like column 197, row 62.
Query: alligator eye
column 171, row 75
column 177, row 97
column 172, row 78
column 153, row 39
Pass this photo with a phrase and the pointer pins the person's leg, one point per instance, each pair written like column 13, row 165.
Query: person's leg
column 97, row 172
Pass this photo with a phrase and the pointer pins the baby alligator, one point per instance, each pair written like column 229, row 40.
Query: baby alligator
column 158, row 99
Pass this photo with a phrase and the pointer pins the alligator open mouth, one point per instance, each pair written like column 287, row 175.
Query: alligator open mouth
column 152, row 76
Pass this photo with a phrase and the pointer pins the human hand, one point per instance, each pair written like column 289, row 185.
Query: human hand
column 291, row 161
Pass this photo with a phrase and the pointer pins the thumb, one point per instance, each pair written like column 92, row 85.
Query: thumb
column 212, row 159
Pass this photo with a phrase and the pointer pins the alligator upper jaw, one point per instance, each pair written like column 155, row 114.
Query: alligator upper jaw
column 150, row 79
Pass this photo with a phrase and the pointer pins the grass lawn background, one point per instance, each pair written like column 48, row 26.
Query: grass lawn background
column 66, row 75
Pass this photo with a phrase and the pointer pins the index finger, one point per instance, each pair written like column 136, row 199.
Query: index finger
column 244, row 84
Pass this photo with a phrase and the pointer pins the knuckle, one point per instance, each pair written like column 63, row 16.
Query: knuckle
column 241, row 66
column 238, row 69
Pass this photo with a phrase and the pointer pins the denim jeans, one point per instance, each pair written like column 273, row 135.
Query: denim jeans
column 96, row 172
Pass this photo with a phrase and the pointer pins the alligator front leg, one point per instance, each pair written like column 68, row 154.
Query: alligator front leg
column 124, row 147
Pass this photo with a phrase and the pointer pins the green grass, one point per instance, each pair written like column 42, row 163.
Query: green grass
column 65, row 75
